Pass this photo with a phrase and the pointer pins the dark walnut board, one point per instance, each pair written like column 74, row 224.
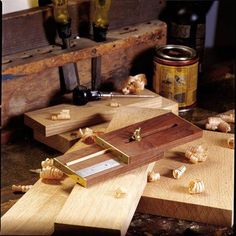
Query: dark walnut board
column 159, row 134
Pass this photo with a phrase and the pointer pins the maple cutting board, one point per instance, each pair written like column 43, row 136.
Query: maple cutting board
column 158, row 135
column 93, row 113
column 169, row 197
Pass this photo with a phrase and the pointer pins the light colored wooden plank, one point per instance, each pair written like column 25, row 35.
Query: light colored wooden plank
column 33, row 206
column 96, row 208
column 35, row 212
column 62, row 142
column 93, row 113
column 170, row 197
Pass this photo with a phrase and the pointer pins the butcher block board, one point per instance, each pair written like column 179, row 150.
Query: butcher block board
column 169, row 197
column 45, row 203
column 93, row 113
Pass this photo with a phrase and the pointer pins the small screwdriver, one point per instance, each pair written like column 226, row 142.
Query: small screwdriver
column 82, row 97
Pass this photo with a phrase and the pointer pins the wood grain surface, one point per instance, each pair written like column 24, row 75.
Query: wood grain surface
column 93, row 113
column 131, row 53
column 63, row 141
column 101, row 212
column 117, row 40
column 41, row 28
column 52, row 196
column 35, row 212
column 159, row 134
column 170, row 197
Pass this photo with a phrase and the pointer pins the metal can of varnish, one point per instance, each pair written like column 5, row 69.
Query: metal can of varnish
column 176, row 73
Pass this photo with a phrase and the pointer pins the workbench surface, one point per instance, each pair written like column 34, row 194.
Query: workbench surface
column 19, row 153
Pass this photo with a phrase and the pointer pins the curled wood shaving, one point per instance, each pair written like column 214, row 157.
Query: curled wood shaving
column 224, row 127
column 64, row 114
column 87, row 136
column 120, row 192
column 21, row 188
column 196, row 186
column 47, row 162
column 135, row 84
column 177, row 173
column 37, row 171
column 153, row 176
column 114, row 104
column 230, row 143
column 217, row 123
column 50, row 172
column 196, row 153
column 213, row 122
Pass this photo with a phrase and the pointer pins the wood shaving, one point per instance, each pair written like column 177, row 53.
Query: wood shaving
column 114, row 104
column 196, row 186
column 21, row 188
column 50, row 172
column 37, row 171
column 217, row 123
column 135, row 84
column 177, row 173
column 230, row 143
column 224, row 127
column 213, row 122
column 47, row 162
column 87, row 136
column 153, row 176
column 196, row 153
column 120, row 192
column 62, row 115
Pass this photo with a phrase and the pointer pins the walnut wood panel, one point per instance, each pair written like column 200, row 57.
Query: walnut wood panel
column 158, row 134
column 41, row 29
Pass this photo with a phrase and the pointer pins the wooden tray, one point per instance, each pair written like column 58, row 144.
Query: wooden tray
column 158, row 135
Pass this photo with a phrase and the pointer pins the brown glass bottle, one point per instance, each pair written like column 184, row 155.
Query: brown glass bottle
column 186, row 25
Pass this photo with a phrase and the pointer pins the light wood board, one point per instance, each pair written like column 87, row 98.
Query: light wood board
column 34, row 213
column 33, row 207
column 93, row 113
column 62, row 142
column 170, row 197
column 100, row 212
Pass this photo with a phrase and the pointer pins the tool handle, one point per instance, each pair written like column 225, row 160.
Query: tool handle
column 82, row 97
